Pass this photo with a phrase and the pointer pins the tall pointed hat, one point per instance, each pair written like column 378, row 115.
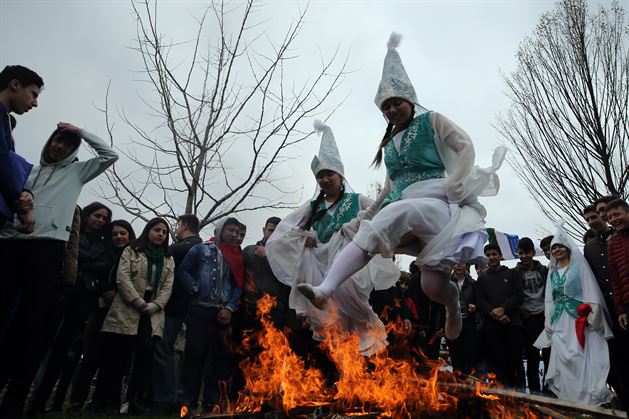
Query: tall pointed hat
column 329, row 157
column 395, row 82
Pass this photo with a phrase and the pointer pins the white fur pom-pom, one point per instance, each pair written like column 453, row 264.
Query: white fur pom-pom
column 318, row 125
column 394, row 40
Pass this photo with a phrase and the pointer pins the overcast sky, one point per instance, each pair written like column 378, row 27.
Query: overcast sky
column 454, row 52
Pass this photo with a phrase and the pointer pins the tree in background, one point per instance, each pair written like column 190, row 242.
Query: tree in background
column 230, row 105
column 568, row 123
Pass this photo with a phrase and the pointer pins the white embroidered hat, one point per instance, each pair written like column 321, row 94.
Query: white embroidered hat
column 561, row 235
column 329, row 157
column 395, row 82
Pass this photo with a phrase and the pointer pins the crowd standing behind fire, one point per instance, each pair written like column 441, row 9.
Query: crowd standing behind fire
column 160, row 326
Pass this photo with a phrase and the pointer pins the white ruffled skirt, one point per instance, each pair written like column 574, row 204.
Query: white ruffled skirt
column 293, row 263
column 441, row 233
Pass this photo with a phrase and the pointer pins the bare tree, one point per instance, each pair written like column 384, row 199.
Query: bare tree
column 229, row 107
column 567, row 123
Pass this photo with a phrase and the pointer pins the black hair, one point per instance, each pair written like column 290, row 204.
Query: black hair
column 316, row 215
column 617, row 203
column 273, row 220
column 91, row 208
column 191, row 221
column 604, row 200
column 565, row 247
column 526, row 244
column 377, row 160
column 243, row 227
column 413, row 269
column 492, row 246
column 24, row 75
column 119, row 223
column 405, row 277
column 141, row 242
column 124, row 224
column 546, row 241
column 65, row 135
column 588, row 208
column 589, row 234
column 230, row 221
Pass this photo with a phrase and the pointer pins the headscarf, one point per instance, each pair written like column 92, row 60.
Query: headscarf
column 232, row 253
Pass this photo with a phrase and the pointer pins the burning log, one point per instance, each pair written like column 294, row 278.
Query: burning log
column 280, row 385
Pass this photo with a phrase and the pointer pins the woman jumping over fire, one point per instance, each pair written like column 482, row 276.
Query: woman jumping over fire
column 432, row 210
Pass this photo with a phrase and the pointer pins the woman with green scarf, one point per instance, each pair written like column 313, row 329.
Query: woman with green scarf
column 136, row 316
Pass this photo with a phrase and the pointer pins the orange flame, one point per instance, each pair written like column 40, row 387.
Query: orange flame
column 277, row 376
column 183, row 412
column 389, row 387
column 479, row 393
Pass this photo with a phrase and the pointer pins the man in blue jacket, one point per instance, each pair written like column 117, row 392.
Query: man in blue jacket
column 208, row 278
column 19, row 90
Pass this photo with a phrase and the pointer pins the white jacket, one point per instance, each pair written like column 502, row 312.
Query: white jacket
column 56, row 188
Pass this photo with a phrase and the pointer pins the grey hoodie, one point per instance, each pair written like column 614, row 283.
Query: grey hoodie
column 56, row 188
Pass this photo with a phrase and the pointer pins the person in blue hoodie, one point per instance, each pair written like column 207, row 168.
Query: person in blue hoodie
column 19, row 89
column 207, row 276
column 32, row 263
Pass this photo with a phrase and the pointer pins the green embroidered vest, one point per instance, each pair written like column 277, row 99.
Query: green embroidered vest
column 562, row 301
column 346, row 209
column 418, row 158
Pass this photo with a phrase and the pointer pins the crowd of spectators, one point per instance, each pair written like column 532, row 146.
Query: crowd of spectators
column 155, row 325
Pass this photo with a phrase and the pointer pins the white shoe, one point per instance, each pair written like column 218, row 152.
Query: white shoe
column 316, row 297
column 454, row 323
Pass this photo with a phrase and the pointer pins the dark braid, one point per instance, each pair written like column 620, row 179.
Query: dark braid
column 316, row 215
column 390, row 133
column 313, row 207
column 385, row 140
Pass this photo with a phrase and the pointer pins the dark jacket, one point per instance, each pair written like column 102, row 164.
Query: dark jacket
column 259, row 280
column 12, row 174
column 499, row 288
column 595, row 252
column 95, row 262
column 180, row 299
column 467, row 296
column 389, row 304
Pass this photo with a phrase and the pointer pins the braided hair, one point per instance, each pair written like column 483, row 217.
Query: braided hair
column 383, row 143
column 389, row 133
column 317, row 214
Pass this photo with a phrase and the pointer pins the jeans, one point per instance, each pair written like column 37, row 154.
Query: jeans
column 164, row 373
column 208, row 349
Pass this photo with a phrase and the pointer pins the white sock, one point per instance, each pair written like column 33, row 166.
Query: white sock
column 351, row 259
